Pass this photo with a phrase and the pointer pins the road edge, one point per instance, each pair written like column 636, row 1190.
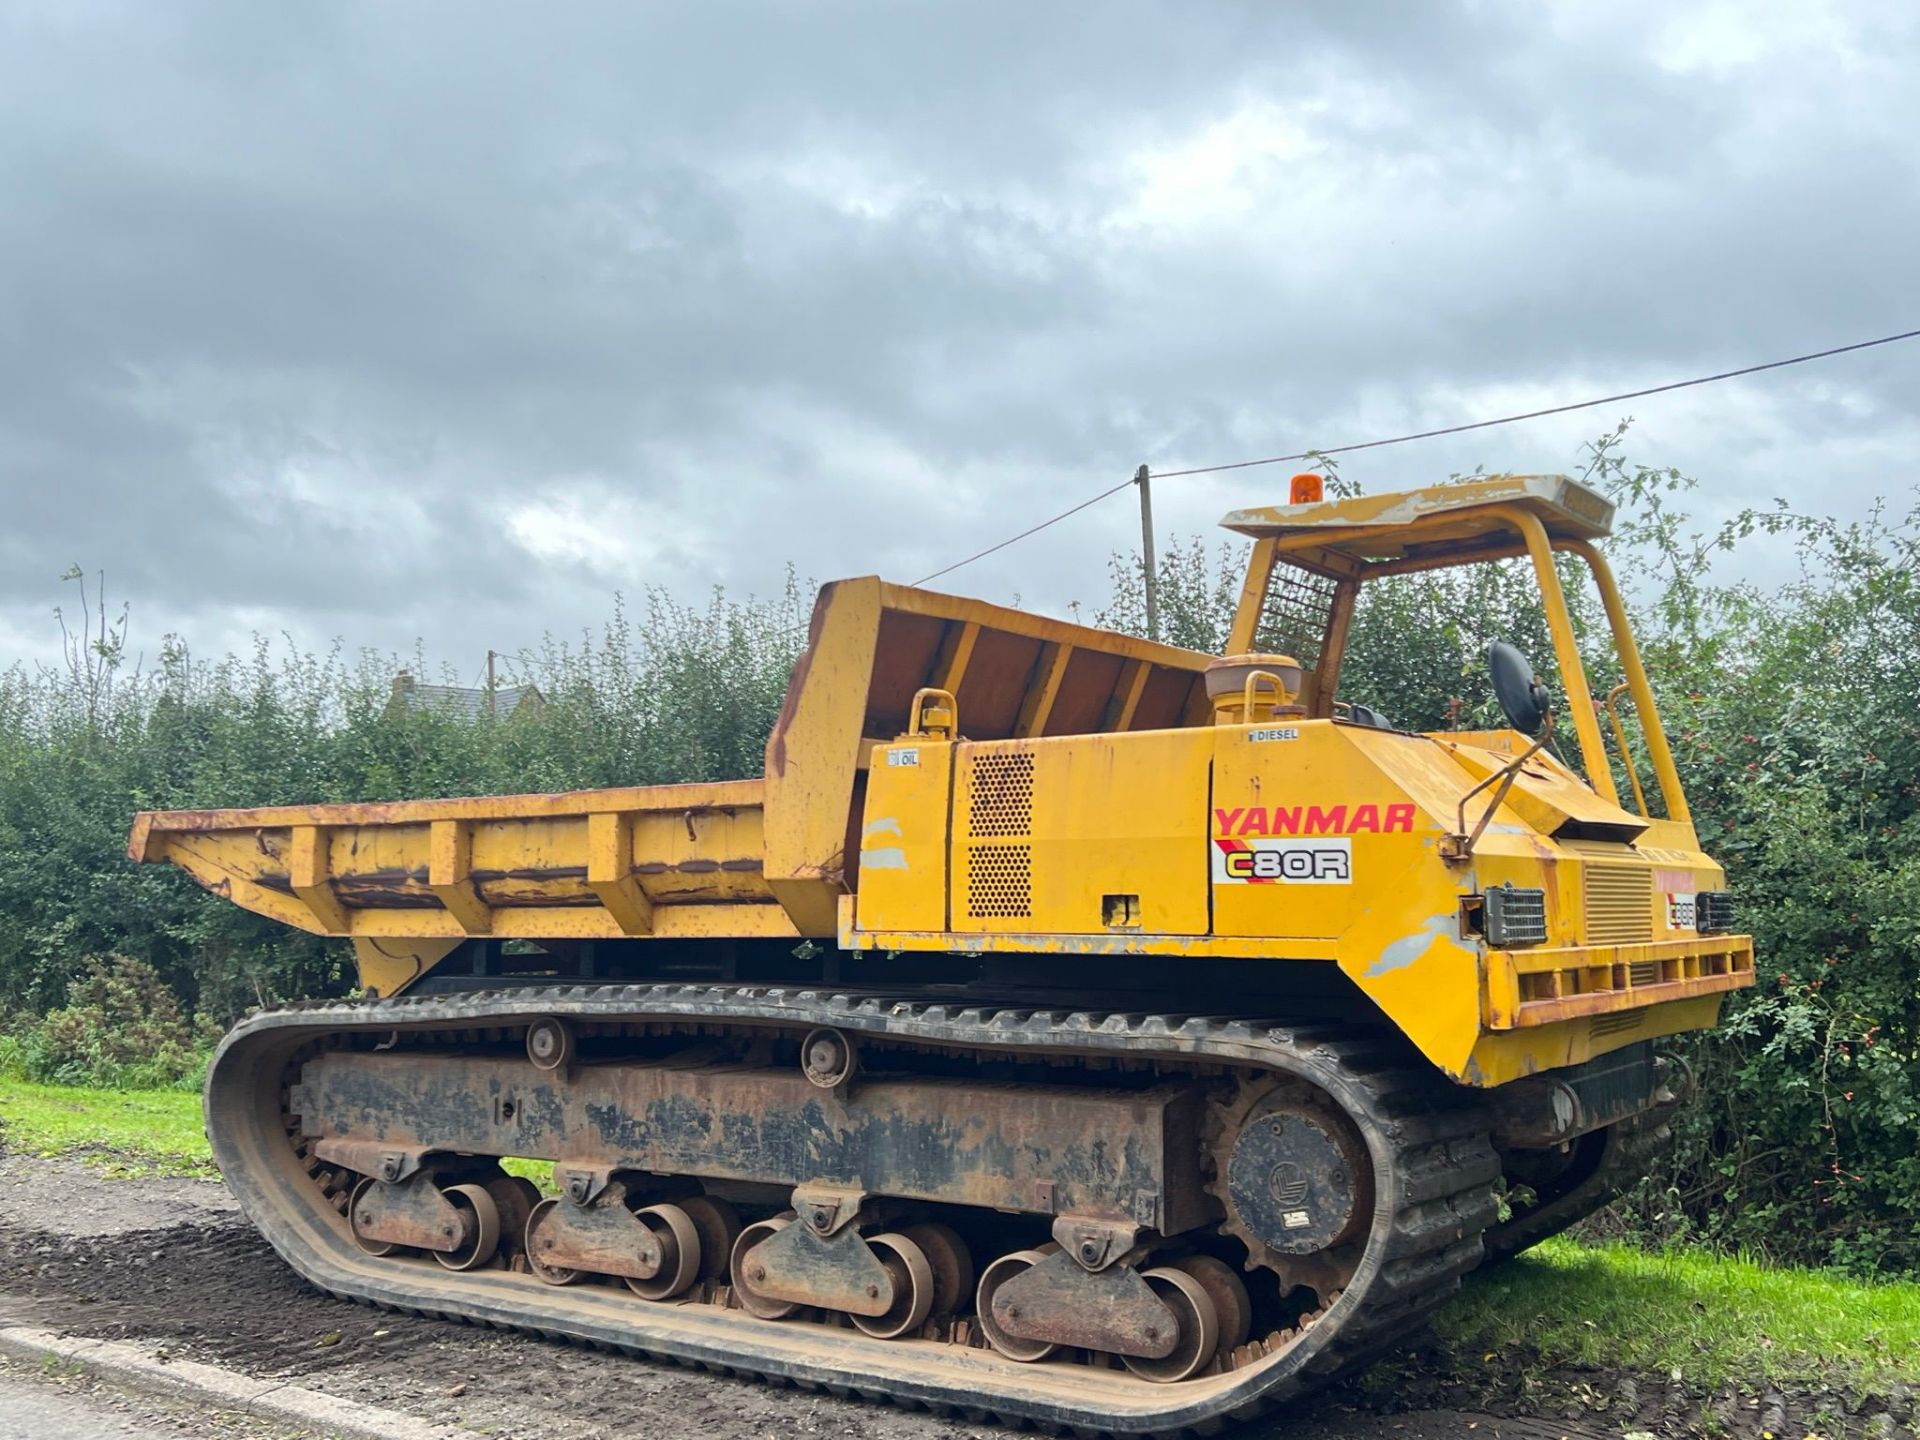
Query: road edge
column 130, row 1367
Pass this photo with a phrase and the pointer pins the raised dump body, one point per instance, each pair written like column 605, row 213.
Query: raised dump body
column 742, row 859
column 1058, row 1001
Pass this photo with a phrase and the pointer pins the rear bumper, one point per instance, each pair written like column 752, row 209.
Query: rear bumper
column 1542, row 987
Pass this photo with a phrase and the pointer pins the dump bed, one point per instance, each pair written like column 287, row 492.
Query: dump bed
column 737, row 858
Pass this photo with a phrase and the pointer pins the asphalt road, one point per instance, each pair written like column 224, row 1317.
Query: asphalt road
column 35, row 1406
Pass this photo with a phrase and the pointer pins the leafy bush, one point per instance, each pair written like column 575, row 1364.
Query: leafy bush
column 690, row 694
column 122, row 1027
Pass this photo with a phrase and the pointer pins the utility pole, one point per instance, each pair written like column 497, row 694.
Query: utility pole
column 1144, row 480
column 493, row 705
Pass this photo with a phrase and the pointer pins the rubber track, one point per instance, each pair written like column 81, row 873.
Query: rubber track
column 1630, row 1145
column 1435, row 1196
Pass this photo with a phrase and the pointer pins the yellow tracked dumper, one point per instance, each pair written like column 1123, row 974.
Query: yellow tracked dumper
column 1067, row 1028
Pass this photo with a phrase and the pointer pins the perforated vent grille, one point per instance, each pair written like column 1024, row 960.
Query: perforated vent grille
column 999, row 882
column 1294, row 619
column 1619, row 904
column 1620, row 1022
column 1001, row 795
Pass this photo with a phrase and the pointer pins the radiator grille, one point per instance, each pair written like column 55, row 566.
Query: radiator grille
column 999, row 882
column 1644, row 972
column 1619, row 904
column 1000, row 795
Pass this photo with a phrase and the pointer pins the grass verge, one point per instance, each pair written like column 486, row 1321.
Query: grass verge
column 124, row 1132
column 1715, row 1319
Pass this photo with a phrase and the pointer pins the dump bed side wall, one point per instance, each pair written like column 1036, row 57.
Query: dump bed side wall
column 873, row 646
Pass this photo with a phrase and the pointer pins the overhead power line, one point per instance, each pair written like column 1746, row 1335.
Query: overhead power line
column 1426, row 435
column 1033, row 530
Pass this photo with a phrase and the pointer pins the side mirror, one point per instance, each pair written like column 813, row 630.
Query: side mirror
column 1524, row 699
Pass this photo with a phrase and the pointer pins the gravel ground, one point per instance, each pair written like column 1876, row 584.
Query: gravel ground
column 67, row 1198
column 169, row 1263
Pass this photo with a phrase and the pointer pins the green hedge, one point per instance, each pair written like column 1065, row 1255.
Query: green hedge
column 1795, row 711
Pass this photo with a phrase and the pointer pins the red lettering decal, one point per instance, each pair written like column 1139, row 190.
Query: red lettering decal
column 1286, row 822
column 1365, row 817
column 1225, row 818
column 1256, row 821
column 1326, row 822
column 1400, row 817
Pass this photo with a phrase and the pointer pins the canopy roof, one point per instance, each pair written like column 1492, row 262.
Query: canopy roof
column 1439, row 520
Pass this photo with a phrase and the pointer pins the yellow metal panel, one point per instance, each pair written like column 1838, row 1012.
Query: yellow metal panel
column 1545, row 793
column 610, row 873
column 450, row 875
column 586, row 922
column 1305, row 800
column 813, row 755
column 308, row 876
column 1372, row 525
column 1252, row 949
column 389, row 966
column 1503, row 1056
column 903, row 836
column 1082, row 834
column 719, row 794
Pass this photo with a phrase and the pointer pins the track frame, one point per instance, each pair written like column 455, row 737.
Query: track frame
column 1435, row 1172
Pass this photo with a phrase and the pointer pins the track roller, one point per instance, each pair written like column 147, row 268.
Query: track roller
column 1231, row 1304
column 355, row 1222
column 951, row 1261
column 719, row 1226
column 1199, row 1328
column 913, row 1288
column 534, row 1250
column 679, row 1242
column 992, row 1278
column 745, row 1271
column 480, row 1225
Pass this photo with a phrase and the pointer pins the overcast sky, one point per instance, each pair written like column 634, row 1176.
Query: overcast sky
column 392, row 321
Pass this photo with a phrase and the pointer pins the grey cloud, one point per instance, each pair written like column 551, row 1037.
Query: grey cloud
column 300, row 308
